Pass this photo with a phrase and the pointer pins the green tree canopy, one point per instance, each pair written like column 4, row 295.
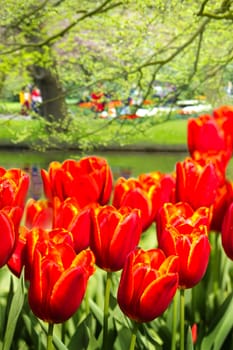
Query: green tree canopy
column 64, row 44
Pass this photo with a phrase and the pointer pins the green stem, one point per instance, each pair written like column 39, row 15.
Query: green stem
column 133, row 336
column 182, row 318
column 63, row 332
column 87, row 306
column 174, row 323
column 50, row 337
column 216, row 260
column 106, row 310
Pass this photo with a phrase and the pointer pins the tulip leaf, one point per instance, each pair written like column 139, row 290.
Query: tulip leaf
column 222, row 325
column 189, row 340
column 123, row 339
column 31, row 324
column 97, row 311
column 5, row 309
column 14, row 312
column 58, row 344
column 152, row 335
column 82, row 335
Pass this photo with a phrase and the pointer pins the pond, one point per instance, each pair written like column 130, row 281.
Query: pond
column 122, row 163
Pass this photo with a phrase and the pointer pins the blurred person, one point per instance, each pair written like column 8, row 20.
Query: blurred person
column 36, row 99
column 25, row 100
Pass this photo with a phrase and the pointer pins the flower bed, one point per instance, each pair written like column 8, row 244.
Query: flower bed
column 145, row 262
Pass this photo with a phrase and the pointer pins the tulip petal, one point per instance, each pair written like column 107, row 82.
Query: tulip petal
column 7, row 238
column 157, row 297
column 125, row 238
column 68, row 292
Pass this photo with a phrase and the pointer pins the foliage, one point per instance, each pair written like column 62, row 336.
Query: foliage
column 119, row 43
column 209, row 303
column 86, row 133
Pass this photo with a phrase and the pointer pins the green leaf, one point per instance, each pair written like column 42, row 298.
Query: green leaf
column 59, row 345
column 81, row 336
column 97, row 311
column 15, row 309
column 189, row 339
column 123, row 339
column 31, row 324
column 153, row 336
column 223, row 324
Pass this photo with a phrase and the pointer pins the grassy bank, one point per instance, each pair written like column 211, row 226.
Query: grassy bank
column 87, row 132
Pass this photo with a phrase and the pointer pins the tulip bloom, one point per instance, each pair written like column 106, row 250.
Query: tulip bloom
column 182, row 216
column 163, row 184
column 219, row 159
column 192, row 245
column 8, row 234
column 88, row 180
column 18, row 258
column 42, row 220
column 58, row 282
column 69, row 216
column 196, row 184
column 206, row 134
column 227, row 232
column 38, row 213
column 222, row 201
column 148, row 284
column 40, row 238
column 14, row 184
column 146, row 193
column 224, row 116
column 66, row 214
column 114, row 234
column 29, row 240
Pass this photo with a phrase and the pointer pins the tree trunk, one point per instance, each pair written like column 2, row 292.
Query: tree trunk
column 53, row 107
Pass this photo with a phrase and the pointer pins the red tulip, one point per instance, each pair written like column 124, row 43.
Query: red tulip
column 219, row 159
column 183, row 232
column 162, row 184
column 58, row 282
column 222, row 201
column 183, row 217
column 227, row 232
column 146, row 193
column 224, row 117
column 192, row 245
column 27, row 242
column 68, row 215
column 18, row 258
column 8, row 236
column 114, row 234
column 40, row 238
column 88, row 180
column 42, row 218
column 148, row 284
column 196, row 184
column 206, row 134
column 38, row 213
column 14, row 184
column 194, row 332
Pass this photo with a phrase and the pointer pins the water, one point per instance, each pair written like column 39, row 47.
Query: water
column 122, row 163
column 127, row 164
column 132, row 162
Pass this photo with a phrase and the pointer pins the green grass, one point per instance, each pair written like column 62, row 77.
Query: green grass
column 172, row 132
column 14, row 131
column 9, row 107
column 88, row 131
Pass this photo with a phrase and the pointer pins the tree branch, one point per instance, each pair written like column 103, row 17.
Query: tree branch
column 177, row 51
column 222, row 12
column 102, row 8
